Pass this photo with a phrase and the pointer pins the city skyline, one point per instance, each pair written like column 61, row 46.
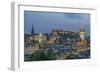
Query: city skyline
column 44, row 22
column 56, row 36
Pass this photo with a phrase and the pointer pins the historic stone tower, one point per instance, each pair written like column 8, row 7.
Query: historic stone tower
column 81, row 45
column 82, row 34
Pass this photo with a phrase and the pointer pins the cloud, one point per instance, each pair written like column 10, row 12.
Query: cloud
column 46, row 21
column 77, row 18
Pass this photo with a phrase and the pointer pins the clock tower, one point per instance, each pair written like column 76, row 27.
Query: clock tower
column 82, row 34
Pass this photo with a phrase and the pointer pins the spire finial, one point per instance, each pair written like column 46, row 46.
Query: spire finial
column 82, row 28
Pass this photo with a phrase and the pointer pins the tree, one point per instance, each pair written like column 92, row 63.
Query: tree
column 42, row 55
column 50, row 54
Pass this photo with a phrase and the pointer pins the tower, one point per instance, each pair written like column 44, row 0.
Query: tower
column 40, row 38
column 82, row 34
column 32, row 31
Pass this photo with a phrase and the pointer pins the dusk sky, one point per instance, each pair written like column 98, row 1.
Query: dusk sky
column 44, row 22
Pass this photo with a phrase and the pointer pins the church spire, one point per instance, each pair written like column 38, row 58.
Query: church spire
column 32, row 31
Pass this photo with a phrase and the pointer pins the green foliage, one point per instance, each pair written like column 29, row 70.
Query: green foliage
column 43, row 55
column 50, row 55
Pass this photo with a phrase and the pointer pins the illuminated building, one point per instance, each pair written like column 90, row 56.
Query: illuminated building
column 82, row 34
